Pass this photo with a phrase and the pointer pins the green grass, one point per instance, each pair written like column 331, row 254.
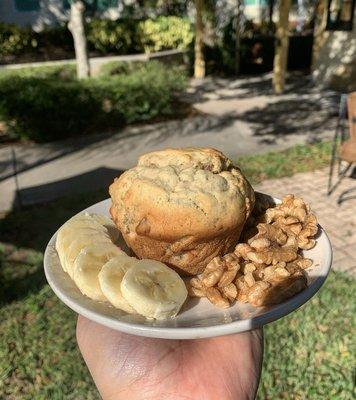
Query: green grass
column 276, row 164
column 311, row 353
column 308, row 355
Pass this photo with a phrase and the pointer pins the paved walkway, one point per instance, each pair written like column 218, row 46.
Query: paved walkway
column 239, row 117
column 339, row 221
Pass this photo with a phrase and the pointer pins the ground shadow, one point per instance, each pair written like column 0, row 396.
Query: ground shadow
column 251, row 86
column 286, row 117
column 92, row 180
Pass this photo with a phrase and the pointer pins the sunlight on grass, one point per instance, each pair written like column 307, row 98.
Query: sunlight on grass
column 277, row 164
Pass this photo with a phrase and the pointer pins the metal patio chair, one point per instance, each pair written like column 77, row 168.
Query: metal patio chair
column 344, row 145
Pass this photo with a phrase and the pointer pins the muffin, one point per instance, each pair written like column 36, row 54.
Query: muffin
column 182, row 207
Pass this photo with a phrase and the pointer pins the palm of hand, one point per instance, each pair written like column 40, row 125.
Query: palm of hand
column 133, row 368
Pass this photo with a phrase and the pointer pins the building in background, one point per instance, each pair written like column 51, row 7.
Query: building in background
column 335, row 55
column 40, row 13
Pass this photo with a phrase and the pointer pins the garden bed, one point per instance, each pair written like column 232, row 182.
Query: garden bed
column 104, row 37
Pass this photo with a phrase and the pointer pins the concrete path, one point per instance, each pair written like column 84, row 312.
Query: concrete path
column 97, row 62
column 237, row 116
column 339, row 220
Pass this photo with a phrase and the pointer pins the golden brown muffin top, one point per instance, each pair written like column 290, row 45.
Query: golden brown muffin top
column 179, row 192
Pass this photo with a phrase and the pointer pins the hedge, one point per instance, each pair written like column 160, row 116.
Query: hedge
column 165, row 33
column 123, row 36
column 51, row 104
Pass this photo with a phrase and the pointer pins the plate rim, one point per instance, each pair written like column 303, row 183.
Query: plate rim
column 278, row 311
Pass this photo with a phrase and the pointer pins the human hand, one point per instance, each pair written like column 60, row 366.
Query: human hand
column 127, row 367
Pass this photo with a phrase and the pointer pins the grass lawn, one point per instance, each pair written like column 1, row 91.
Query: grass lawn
column 276, row 164
column 309, row 355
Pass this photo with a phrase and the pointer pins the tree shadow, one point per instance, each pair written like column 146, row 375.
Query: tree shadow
column 297, row 83
column 286, row 117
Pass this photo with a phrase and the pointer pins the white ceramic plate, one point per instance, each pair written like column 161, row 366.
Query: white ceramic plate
column 198, row 318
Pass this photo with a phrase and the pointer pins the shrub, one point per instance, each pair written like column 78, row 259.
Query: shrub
column 144, row 93
column 49, row 107
column 45, row 109
column 108, row 36
column 121, row 67
column 15, row 40
column 165, row 33
column 123, row 36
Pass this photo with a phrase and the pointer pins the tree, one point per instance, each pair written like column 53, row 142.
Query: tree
column 281, row 47
column 238, row 23
column 76, row 26
column 270, row 4
column 320, row 18
column 199, row 62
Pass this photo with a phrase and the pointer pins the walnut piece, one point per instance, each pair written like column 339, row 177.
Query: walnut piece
column 269, row 246
column 276, row 284
column 293, row 217
column 266, row 268
column 216, row 281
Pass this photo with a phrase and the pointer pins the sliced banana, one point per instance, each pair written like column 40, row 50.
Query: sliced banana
column 82, row 230
column 82, row 240
column 114, row 233
column 69, row 231
column 88, row 264
column 153, row 289
column 110, row 278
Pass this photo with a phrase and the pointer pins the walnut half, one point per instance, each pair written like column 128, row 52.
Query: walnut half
column 216, row 282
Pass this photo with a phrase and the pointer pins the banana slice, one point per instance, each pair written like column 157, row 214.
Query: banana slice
column 79, row 231
column 70, row 230
column 110, row 278
column 153, row 289
column 88, row 264
column 114, row 233
column 82, row 240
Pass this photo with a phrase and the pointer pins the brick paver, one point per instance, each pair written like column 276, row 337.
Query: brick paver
column 339, row 221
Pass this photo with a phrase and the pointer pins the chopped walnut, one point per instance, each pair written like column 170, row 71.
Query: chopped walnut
column 277, row 284
column 293, row 217
column 261, row 249
column 216, row 281
column 300, row 263
column 215, row 297
column 266, row 268
column 272, row 233
column 195, row 288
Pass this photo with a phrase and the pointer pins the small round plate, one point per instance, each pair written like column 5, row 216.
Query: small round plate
column 198, row 318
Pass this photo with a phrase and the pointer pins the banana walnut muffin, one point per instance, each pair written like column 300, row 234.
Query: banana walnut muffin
column 182, row 207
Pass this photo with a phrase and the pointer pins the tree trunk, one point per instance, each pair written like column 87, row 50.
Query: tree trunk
column 76, row 26
column 199, row 62
column 238, row 36
column 270, row 12
column 321, row 13
column 281, row 47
